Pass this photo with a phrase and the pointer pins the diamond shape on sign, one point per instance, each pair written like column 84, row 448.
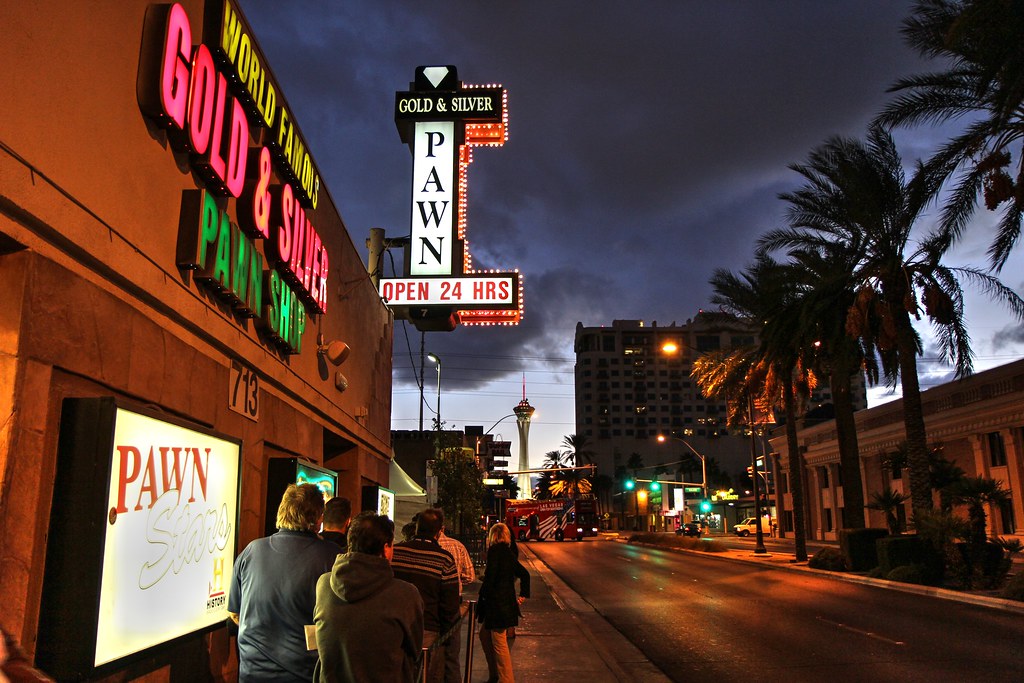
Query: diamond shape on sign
column 435, row 74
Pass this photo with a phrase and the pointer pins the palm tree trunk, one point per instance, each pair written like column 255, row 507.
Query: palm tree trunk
column 796, row 472
column 913, row 416
column 849, row 450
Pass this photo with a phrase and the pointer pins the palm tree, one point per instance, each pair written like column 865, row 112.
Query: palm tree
column 577, row 448
column 569, row 484
column 763, row 296
column 976, row 493
column 741, row 378
column 554, row 459
column 857, row 196
column 635, row 463
column 604, row 487
column 979, row 42
column 888, row 501
column 543, row 489
column 822, row 274
column 941, row 472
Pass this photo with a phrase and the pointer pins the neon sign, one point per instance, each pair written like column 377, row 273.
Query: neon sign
column 213, row 102
column 238, row 48
column 442, row 120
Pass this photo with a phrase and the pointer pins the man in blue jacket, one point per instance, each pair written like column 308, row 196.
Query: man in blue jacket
column 273, row 591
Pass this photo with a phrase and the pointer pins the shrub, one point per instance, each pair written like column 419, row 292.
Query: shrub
column 858, row 547
column 1014, row 589
column 908, row 573
column 897, row 551
column 985, row 566
column 830, row 559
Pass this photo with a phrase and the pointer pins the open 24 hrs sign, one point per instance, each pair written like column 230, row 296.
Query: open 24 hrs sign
column 476, row 291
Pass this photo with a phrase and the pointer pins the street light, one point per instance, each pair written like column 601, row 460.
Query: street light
column 491, row 428
column 703, row 462
column 437, row 361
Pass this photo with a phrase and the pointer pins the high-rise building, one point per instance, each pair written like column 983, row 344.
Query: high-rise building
column 633, row 384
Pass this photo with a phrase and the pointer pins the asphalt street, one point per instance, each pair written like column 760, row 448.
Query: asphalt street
column 708, row 618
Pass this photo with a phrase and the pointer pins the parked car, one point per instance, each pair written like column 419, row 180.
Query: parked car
column 688, row 529
column 749, row 526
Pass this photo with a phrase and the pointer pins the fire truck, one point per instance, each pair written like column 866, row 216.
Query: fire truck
column 557, row 518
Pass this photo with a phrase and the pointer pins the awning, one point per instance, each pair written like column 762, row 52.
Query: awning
column 402, row 484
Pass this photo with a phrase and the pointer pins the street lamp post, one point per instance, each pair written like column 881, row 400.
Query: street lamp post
column 437, row 361
column 491, row 428
column 703, row 462
column 759, row 548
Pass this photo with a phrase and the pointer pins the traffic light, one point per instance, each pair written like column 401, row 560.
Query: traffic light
column 705, row 505
column 655, row 486
column 630, row 484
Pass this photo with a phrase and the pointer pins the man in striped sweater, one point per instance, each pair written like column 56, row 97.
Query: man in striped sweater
column 426, row 565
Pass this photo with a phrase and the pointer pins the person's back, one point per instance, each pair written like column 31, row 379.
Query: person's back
column 467, row 575
column 425, row 564
column 274, row 590
column 369, row 625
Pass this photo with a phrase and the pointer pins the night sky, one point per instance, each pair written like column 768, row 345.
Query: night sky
column 648, row 143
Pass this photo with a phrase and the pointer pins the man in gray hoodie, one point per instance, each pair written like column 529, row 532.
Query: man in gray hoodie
column 369, row 625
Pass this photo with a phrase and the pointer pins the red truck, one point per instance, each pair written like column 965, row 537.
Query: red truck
column 557, row 518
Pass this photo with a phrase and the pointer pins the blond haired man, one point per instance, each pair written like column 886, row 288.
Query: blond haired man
column 273, row 591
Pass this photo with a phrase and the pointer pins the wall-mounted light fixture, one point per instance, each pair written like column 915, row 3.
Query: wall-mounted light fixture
column 335, row 352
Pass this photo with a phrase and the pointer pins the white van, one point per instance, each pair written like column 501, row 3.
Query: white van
column 749, row 526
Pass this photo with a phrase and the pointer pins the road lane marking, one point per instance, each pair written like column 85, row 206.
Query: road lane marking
column 868, row 634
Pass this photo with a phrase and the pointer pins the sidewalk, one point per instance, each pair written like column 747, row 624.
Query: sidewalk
column 562, row 638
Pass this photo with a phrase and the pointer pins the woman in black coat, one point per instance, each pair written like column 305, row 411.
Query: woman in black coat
column 498, row 607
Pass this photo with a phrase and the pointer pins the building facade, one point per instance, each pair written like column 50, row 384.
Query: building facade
column 977, row 422
column 145, row 265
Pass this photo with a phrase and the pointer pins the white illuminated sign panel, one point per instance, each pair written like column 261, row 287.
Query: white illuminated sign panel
column 386, row 502
column 464, row 292
column 169, row 545
column 433, row 198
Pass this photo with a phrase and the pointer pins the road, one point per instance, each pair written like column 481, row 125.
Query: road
column 705, row 619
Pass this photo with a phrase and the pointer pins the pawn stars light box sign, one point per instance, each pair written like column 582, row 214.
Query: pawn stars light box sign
column 142, row 536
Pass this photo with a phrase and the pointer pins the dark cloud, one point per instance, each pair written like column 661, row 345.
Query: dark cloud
column 543, row 340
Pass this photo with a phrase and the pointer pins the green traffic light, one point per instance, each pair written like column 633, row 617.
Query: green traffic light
column 705, row 506
column 655, row 486
column 630, row 484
